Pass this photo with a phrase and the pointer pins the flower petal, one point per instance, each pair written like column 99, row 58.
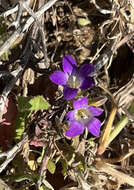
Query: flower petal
column 69, row 93
column 86, row 69
column 76, row 128
column 59, row 77
column 70, row 115
column 87, row 83
column 95, row 111
column 68, row 63
column 80, row 103
column 94, row 126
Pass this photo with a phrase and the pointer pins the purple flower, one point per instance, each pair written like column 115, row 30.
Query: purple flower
column 83, row 115
column 73, row 79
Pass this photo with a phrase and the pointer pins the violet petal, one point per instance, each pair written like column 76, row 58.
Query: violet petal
column 86, row 69
column 59, row 77
column 70, row 115
column 80, row 103
column 88, row 82
column 68, row 63
column 76, row 128
column 69, row 93
column 94, row 126
column 95, row 111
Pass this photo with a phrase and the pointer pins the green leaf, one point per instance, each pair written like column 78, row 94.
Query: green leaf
column 51, row 166
column 32, row 103
column 21, row 123
column 121, row 124
column 29, row 177
column 64, row 167
column 19, row 178
column 44, row 188
column 3, row 26
column 5, row 56
column 83, row 21
column 25, row 107
column 80, row 167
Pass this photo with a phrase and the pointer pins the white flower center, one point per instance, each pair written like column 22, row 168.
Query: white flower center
column 83, row 115
column 73, row 81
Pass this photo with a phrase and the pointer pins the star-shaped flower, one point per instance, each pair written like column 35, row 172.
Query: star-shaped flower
column 83, row 115
column 73, row 78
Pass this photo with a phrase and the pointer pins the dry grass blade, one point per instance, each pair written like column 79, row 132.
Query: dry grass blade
column 120, row 159
column 105, row 137
column 107, row 168
column 21, row 29
column 3, row 185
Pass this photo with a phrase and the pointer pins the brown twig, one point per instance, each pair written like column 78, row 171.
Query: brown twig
column 44, row 162
column 120, row 159
column 107, row 168
column 16, row 75
column 103, row 11
column 42, row 33
column 21, row 29
column 11, row 154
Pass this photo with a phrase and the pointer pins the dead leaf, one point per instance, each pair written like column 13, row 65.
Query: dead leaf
column 7, row 125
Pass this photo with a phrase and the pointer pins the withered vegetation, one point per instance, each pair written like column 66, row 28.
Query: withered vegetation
column 34, row 36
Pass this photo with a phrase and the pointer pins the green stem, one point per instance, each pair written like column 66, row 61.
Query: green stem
column 117, row 129
column 121, row 124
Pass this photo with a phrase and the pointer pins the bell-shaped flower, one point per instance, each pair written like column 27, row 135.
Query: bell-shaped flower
column 83, row 116
column 73, row 78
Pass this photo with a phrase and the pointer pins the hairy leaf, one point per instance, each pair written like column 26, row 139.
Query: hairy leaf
column 83, row 21
column 51, row 166
column 32, row 103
